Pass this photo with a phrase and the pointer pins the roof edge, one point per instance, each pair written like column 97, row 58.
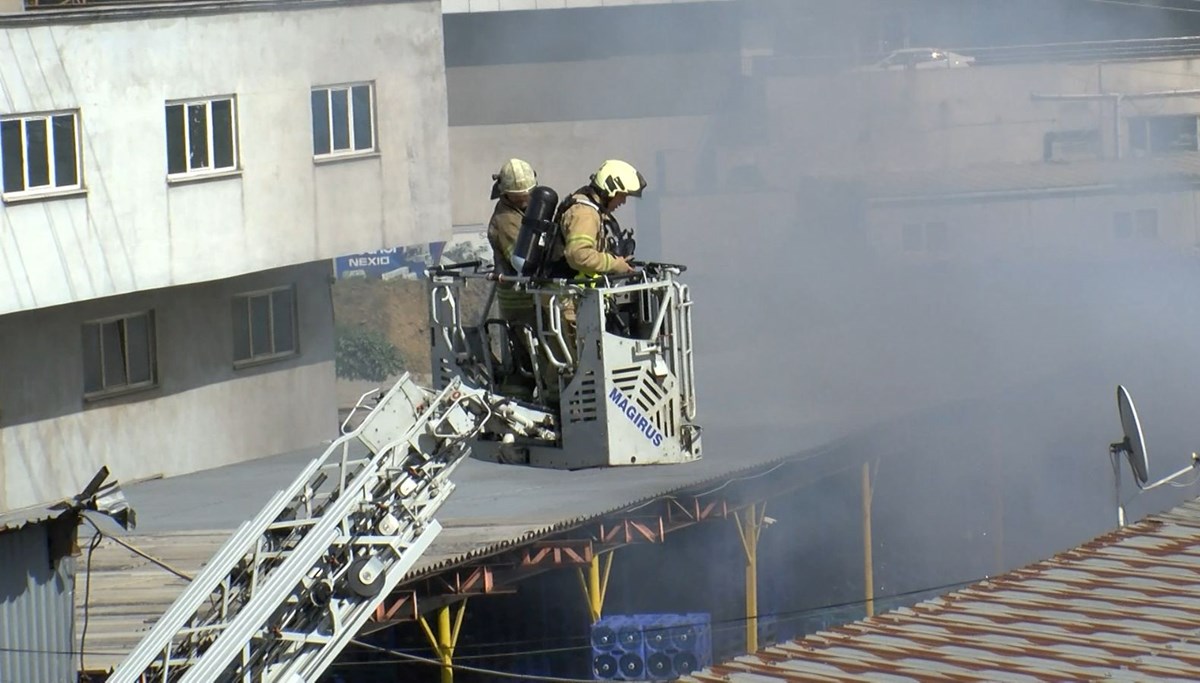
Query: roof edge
column 133, row 10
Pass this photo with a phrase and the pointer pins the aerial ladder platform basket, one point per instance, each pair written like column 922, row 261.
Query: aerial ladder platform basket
column 292, row 586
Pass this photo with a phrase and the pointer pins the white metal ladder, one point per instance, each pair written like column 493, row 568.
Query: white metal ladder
column 292, row 586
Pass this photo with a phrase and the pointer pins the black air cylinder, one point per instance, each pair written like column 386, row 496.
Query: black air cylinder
column 536, row 229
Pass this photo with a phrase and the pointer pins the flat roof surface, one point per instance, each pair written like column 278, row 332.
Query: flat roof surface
column 1125, row 606
column 1160, row 172
column 465, row 6
column 183, row 521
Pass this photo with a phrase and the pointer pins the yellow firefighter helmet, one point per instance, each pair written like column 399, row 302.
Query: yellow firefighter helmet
column 616, row 176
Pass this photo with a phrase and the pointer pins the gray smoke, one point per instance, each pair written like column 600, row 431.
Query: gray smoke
column 983, row 383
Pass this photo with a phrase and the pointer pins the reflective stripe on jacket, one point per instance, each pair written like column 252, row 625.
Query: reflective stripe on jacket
column 585, row 247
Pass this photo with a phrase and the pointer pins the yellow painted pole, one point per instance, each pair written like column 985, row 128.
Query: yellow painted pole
column 868, row 564
column 749, row 529
column 595, row 584
column 446, row 638
column 445, row 645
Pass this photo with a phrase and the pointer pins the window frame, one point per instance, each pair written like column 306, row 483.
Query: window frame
column 1143, row 228
column 1063, row 146
column 274, row 355
column 107, row 391
column 1145, row 133
column 51, row 190
column 1140, row 225
column 1123, row 229
column 930, row 237
column 211, row 170
column 351, row 151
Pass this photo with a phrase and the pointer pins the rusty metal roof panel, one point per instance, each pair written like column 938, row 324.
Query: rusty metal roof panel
column 1125, row 606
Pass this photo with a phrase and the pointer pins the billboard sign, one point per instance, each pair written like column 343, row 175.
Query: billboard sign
column 406, row 262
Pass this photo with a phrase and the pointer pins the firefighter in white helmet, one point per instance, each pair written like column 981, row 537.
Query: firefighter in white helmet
column 511, row 190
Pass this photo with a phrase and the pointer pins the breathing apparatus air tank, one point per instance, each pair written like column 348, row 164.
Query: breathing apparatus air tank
column 537, row 229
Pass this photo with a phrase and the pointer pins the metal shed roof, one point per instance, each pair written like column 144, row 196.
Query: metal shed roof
column 1125, row 606
column 184, row 520
column 17, row 519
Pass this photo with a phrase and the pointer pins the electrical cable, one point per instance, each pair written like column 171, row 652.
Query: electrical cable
column 138, row 551
column 722, row 623
column 472, row 669
column 733, row 622
column 87, row 596
column 718, row 625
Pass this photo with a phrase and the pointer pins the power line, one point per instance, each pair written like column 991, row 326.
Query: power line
column 472, row 669
column 738, row 622
column 733, row 621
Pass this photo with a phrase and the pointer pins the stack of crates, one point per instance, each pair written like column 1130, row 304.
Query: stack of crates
column 654, row 647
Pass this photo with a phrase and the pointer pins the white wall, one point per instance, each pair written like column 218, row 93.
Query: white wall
column 951, row 118
column 133, row 232
column 1068, row 227
column 564, row 154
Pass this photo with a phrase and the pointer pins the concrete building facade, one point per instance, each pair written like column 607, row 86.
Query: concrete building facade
column 167, row 223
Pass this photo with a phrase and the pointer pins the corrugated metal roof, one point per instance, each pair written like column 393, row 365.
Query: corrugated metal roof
column 36, row 609
column 16, row 519
column 184, row 520
column 1125, row 606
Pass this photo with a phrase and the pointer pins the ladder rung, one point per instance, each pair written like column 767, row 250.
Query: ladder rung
column 293, row 523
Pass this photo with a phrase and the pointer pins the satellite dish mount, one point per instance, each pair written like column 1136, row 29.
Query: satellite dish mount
column 1133, row 447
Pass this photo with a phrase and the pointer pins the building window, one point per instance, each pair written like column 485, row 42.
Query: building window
column 1142, row 223
column 933, row 237
column 913, row 237
column 40, row 153
column 1071, row 145
column 1122, row 225
column 1162, row 134
column 264, row 325
column 343, row 120
column 201, row 136
column 119, row 355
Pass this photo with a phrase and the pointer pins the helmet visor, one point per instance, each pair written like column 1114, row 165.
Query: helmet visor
column 641, row 186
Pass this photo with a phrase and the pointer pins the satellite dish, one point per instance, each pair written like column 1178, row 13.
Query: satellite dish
column 1134, row 448
column 1134, row 444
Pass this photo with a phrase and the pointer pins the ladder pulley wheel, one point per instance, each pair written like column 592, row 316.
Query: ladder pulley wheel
column 365, row 577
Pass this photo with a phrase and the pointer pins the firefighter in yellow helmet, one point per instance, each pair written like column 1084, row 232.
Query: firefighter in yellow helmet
column 511, row 190
column 593, row 242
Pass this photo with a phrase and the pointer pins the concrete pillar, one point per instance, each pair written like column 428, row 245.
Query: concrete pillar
column 12, row 6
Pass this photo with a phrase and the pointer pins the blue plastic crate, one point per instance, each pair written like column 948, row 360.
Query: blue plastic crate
column 651, row 646
column 618, row 650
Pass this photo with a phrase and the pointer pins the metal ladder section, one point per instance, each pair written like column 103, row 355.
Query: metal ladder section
column 292, row 586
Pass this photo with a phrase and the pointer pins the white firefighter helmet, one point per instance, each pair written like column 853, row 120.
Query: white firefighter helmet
column 515, row 176
column 616, row 176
